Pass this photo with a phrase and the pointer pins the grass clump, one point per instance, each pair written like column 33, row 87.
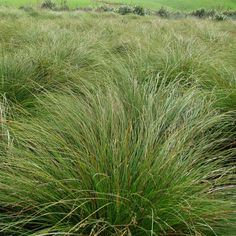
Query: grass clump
column 220, row 17
column 138, row 10
column 163, row 12
column 49, row 4
column 212, row 14
column 200, row 13
column 125, row 158
column 125, row 9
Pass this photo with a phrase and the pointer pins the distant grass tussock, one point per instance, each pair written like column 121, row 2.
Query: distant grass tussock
column 116, row 125
column 218, row 15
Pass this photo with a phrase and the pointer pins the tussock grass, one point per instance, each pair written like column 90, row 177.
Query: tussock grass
column 119, row 160
column 116, row 125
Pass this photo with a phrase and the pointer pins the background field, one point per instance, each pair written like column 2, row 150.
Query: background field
column 183, row 4
column 174, row 4
column 71, row 3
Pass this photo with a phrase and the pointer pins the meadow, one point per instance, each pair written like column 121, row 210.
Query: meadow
column 180, row 4
column 152, row 4
column 116, row 125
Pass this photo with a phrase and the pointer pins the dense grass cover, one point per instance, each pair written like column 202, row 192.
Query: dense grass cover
column 116, row 125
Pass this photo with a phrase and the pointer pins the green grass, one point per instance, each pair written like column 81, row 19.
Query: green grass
column 154, row 4
column 116, row 125
column 181, row 4
column 71, row 3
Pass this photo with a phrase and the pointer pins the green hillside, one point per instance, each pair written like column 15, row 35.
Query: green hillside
column 71, row 3
column 174, row 4
column 183, row 4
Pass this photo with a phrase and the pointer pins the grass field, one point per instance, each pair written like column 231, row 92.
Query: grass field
column 116, row 125
column 154, row 4
column 71, row 3
column 182, row 4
